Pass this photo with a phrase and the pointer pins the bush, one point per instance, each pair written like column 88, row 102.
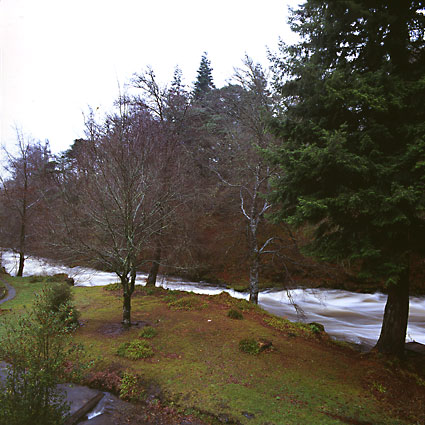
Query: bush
column 249, row 345
column 105, row 380
column 130, row 389
column 235, row 314
column 188, row 303
column 29, row 394
column 3, row 290
column 148, row 332
column 58, row 277
column 135, row 350
column 35, row 278
column 113, row 287
column 57, row 298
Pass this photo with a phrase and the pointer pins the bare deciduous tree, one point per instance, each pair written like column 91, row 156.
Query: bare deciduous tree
column 22, row 192
column 236, row 158
column 111, row 202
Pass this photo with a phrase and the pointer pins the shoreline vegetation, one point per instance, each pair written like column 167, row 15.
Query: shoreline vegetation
column 188, row 355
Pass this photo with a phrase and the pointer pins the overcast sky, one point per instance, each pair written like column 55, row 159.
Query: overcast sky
column 58, row 57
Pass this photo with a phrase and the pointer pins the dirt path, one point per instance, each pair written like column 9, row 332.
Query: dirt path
column 11, row 293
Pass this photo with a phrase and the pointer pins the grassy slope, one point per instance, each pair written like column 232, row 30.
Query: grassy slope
column 197, row 363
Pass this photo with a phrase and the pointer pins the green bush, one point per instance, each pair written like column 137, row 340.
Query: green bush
column 3, row 290
column 235, row 314
column 130, row 389
column 188, row 303
column 38, row 347
column 37, row 278
column 113, row 287
column 170, row 298
column 249, row 345
column 135, row 350
column 58, row 277
column 57, row 298
column 148, row 332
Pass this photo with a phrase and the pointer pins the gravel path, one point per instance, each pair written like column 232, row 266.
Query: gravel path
column 10, row 292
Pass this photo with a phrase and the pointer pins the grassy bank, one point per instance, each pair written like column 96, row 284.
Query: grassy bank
column 197, row 365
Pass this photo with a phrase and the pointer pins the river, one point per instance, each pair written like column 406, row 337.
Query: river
column 348, row 316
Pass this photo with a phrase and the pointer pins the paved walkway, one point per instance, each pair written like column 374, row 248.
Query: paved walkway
column 11, row 293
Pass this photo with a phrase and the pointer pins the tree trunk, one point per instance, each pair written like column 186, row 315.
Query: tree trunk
column 21, row 264
column 126, row 306
column 393, row 333
column 153, row 273
column 126, row 310
column 22, row 236
column 253, row 278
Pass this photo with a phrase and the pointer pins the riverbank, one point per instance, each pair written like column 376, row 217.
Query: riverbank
column 197, row 367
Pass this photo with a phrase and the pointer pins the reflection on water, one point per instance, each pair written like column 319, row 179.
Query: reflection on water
column 345, row 315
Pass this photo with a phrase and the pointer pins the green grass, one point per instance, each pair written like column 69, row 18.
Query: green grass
column 304, row 379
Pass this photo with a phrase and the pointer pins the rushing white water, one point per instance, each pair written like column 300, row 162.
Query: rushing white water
column 346, row 315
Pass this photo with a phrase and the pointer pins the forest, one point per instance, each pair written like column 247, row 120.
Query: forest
column 309, row 172
column 319, row 159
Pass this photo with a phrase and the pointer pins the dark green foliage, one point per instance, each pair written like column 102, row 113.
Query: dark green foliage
column 235, row 314
column 353, row 139
column 204, row 81
column 135, row 350
column 148, row 332
column 37, row 346
column 316, row 328
column 249, row 346
column 57, row 298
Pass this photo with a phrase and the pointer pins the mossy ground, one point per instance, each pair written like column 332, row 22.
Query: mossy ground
column 304, row 379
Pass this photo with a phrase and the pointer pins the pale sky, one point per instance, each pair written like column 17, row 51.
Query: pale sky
column 58, row 57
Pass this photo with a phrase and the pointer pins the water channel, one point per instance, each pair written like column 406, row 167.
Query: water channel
column 349, row 316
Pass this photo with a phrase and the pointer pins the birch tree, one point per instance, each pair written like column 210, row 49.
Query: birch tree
column 244, row 109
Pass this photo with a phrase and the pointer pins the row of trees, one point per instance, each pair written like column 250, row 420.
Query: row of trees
column 336, row 142
column 151, row 181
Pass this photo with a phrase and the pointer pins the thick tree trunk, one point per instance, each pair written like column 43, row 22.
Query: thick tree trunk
column 128, row 288
column 253, row 278
column 393, row 333
column 21, row 264
column 153, row 273
column 126, row 310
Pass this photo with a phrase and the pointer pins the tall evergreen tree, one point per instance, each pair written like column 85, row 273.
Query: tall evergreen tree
column 353, row 140
column 204, row 81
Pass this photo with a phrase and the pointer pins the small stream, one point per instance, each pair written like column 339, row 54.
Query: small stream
column 346, row 315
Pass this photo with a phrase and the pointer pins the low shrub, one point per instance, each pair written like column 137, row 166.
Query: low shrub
column 235, row 314
column 58, row 277
column 316, row 328
column 170, row 298
column 148, row 332
column 37, row 278
column 57, row 298
column 105, row 381
column 112, row 287
column 249, row 345
column 3, row 290
column 188, row 303
column 135, row 350
column 130, row 389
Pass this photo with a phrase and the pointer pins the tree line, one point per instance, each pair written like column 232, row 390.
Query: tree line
column 330, row 145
